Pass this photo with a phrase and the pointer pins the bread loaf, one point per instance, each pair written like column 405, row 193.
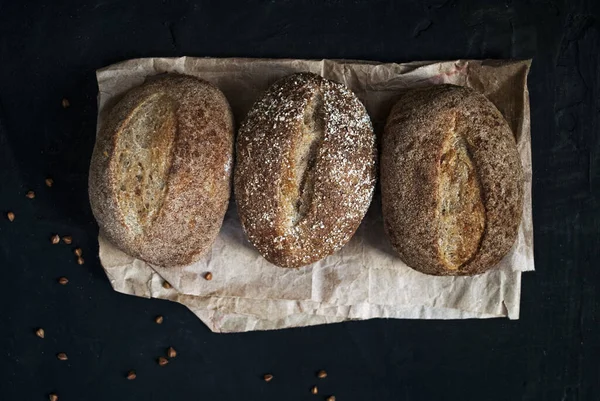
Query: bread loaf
column 305, row 169
column 159, row 179
column 451, row 181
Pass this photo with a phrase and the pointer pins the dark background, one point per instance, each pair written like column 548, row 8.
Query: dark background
column 51, row 51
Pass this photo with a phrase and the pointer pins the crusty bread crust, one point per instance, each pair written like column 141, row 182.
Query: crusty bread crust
column 159, row 180
column 305, row 169
column 451, row 181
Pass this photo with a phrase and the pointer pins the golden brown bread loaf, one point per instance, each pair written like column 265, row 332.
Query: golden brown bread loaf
column 305, row 169
column 451, row 181
column 160, row 173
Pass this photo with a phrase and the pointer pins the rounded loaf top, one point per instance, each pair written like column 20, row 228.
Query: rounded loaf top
column 305, row 169
column 160, row 173
column 451, row 181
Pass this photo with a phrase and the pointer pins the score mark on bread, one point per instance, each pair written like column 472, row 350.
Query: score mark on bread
column 142, row 160
column 461, row 209
column 301, row 193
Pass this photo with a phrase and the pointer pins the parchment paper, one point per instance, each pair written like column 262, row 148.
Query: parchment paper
column 363, row 280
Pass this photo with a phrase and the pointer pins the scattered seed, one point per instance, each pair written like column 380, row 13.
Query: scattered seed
column 162, row 361
column 78, row 252
column 80, row 261
column 30, row 194
column 55, row 239
column 49, row 182
column 167, row 285
column 314, row 390
column 65, row 103
column 321, row 374
column 268, row 377
column 171, row 353
column 158, row 319
column 40, row 333
column 131, row 375
column 208, row 276
column 63, row 280
column 62, row 356
column 67, row 239
column 331, row 398
column 10, row 216
column 53, row 397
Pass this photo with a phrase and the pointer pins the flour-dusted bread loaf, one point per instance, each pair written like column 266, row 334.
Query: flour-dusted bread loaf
column 305, row 169
column 451, row 181
column 160, row 173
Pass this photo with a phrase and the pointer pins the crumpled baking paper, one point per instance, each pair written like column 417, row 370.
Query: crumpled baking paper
column 363, row 280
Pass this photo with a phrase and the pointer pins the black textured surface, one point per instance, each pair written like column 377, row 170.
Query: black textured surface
column 51, row 51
